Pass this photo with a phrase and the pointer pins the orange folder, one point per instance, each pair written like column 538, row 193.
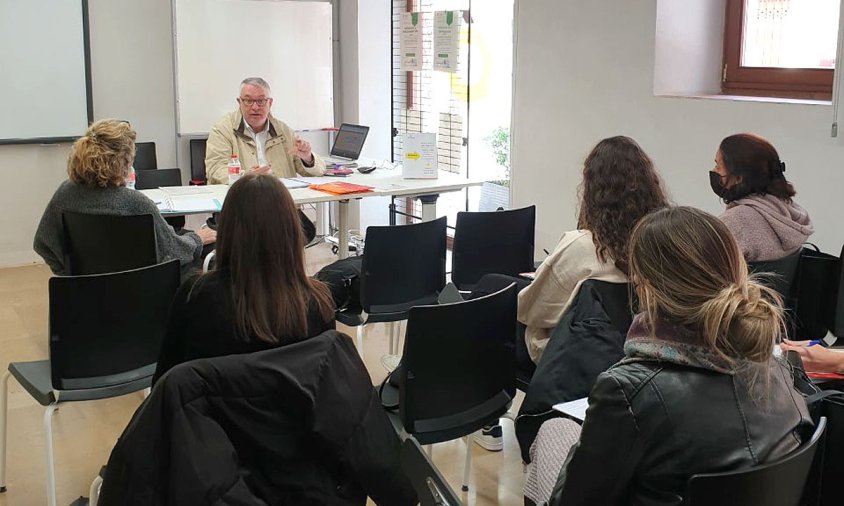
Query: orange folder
column 340, row 188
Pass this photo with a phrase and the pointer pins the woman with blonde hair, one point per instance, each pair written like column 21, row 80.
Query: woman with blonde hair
column 97, row 168
column 698, row 390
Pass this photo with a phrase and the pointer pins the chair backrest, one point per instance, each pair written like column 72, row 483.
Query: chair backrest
column 98, row 243
column 403, row 266
column 838, row 315
column 431, row 488
column 785, row 274
column 145, row 158
column 197, row 161
column 779, row 483
column 499, row 242
column 106, row 329
column 458, row 366
column 148, row 179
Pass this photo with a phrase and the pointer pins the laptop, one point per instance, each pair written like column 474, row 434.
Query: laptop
column 348, row 144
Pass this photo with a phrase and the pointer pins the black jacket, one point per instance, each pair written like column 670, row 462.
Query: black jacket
column 651, row 425
column 588, row 340
column 300, row 424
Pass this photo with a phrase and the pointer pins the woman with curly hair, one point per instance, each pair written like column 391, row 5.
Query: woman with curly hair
column 97, row 168
column 619, row 187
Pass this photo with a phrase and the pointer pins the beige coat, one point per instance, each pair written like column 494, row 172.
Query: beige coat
column 227, row 138
column 543, row 302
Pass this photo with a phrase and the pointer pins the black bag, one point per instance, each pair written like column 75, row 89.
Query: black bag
column 343, row 279
column 816, row 293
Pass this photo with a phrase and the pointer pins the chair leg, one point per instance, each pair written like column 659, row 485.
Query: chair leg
column 4, row 393
column 94, row 491
column 359, row 334
column 467, row 466
column 392, row 334
column 48, row 448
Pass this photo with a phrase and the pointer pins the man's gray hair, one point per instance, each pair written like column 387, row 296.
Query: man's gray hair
column 256, row 81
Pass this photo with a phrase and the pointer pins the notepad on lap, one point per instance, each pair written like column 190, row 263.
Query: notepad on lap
column 575, row 409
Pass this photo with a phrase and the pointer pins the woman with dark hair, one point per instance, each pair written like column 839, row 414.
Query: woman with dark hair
column 258, row 296
column 619, row 186
column 698, row 390
column 749, row 177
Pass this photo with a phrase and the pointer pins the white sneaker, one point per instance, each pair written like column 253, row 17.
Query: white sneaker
column 490, row 438
column 390, row 362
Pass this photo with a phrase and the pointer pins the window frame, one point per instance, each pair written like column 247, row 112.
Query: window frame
column 803, row 83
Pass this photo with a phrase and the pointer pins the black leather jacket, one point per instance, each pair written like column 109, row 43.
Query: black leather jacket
column 651, row 425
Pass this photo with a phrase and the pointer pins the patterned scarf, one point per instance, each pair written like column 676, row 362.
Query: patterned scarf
column 675, row 345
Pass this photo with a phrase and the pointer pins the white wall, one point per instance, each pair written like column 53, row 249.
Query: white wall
column 585, row 71
column 132, row 79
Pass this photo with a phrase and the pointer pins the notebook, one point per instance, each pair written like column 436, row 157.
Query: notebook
column 340, row 188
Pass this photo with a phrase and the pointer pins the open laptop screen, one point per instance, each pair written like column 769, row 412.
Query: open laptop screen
column 349, row 141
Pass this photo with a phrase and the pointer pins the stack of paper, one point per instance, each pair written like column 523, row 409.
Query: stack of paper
column 575, row 409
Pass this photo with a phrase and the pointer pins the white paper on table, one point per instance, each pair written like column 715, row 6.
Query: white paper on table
column 446, row 40
column 178, row 191
column 292, row 184
column 575, row 409
column 193, row 205
column 410, row 43
column 419, row 156
column 319, row 179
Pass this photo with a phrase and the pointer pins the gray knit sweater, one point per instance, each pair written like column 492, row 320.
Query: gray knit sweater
column 112, row 200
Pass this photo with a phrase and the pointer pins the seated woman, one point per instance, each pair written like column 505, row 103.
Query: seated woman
column 97, row 168
column 619, row 186
column 761, row 213
column 698, row 390
column 258, row 295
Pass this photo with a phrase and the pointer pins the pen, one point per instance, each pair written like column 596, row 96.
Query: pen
column 813, row 343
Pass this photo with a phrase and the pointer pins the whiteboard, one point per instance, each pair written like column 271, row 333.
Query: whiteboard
column 221, row 42
column 43, row 81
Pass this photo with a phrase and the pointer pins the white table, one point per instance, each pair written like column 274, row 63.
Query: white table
column 384, row 182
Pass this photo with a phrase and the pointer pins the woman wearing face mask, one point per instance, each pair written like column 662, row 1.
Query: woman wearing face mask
column 761, row 213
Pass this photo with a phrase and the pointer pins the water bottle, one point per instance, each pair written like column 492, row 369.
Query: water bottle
column 130, row 179
column 234, row 169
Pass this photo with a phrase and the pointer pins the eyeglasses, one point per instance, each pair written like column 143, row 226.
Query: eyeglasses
column 260, row 102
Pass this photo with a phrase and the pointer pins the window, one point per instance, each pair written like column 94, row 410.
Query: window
column 780, row 48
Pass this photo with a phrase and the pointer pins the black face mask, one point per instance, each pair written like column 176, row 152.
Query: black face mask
column 728, row 194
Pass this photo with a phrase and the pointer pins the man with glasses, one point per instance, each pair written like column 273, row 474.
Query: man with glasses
column 262, row 143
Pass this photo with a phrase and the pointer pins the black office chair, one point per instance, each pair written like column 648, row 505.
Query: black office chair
column 403, row 266
column 105, row 337
column 431, row 488
column 99, row 243
column 837, row 323
column 145, row 158
column 197, row 162
column 781, row 275
column 457, row 373
column 151, row 179
column 499, row 242
column 780, row 483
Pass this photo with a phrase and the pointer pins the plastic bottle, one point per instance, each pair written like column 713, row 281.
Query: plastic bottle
column 234, row 169
column 130, row 179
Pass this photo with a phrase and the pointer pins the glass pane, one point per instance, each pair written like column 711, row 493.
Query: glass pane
column 790, row 33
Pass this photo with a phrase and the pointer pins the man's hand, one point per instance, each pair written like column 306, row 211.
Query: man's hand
column 302, row 149
column 816, row 358
column 262, row 169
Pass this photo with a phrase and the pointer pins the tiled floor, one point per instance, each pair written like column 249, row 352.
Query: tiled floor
column 85, row 432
